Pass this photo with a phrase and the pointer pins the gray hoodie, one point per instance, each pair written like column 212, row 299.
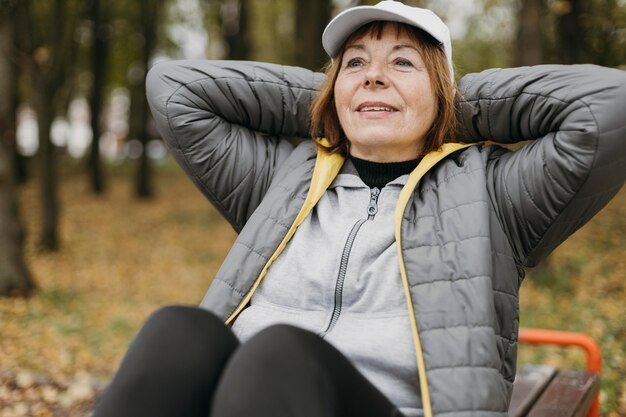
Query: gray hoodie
column 339, row 277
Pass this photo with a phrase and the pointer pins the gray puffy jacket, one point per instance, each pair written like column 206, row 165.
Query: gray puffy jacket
column 469, row 222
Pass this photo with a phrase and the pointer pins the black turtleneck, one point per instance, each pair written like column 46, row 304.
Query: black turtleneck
column 378, row 174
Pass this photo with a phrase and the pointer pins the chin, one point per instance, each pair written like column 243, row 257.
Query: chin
column 376, row 136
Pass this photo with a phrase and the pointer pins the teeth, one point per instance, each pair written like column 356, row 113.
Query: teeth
column 376, row 108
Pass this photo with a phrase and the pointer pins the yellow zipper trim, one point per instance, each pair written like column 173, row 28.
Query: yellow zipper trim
column 405, row 195
column 327, row 167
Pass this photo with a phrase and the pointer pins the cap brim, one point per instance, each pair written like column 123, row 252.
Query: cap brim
column 340, row 28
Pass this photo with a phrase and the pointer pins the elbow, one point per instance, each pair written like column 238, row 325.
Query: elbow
column 609, row 111
column 159, row 86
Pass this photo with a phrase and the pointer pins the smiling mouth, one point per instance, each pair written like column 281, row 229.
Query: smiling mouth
column 376, row 108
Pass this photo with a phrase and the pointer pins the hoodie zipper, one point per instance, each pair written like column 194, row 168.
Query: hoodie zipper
column 372, row 209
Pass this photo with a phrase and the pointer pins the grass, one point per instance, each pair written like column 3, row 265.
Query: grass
column 122, row 258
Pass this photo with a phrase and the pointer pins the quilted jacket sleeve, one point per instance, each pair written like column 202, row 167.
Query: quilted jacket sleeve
column 574, row 118
column 224, row 122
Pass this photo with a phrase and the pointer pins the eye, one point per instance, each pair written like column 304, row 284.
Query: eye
column 354, row 63
column 403, row 62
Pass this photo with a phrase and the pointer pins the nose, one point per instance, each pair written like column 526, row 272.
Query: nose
column 375, row 76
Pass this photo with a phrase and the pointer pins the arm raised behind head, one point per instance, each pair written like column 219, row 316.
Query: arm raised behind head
column 225, row 121
column 575, row 162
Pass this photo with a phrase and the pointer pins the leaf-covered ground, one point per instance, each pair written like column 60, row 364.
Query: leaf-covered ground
column 122, row 258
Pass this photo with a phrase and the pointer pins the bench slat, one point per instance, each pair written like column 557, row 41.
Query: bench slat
column 530, row 382
column 569, row 394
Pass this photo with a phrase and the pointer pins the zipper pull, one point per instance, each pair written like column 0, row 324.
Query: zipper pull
column 372, row 207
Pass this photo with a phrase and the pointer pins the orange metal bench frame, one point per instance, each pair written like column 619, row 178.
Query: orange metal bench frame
column 567, row 339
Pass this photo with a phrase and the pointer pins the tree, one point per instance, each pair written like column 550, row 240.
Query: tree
column 99, row 53
column 232, row 19
column 15, row 278
column 530, row 28
column 235, row 28
column 572, row 32
column 47, row 37
column 604, row 21
column 149, row 13
column 311, row 18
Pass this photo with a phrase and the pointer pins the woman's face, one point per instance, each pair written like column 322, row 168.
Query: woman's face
column 384, row 98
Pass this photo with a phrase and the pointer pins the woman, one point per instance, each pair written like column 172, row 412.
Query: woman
column 376, row 271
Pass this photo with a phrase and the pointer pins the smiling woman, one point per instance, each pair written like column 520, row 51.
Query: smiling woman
column 378, row 265
column 385, row 99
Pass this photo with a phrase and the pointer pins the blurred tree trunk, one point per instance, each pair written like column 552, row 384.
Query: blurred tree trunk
column 44, row 106
column 20, row 170
column 311, row 18
column 19, row 161
column 47, row 58
column 235, row 29
column 15, row 278
column 150, row 12
column 572, row 33
column 606, row 33
column 232, row 18
column 530, row 29
column 99, row 52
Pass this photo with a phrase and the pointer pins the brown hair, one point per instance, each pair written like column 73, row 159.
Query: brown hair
column 324, row 118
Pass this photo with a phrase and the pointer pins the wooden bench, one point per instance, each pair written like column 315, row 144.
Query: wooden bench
column 544, row 391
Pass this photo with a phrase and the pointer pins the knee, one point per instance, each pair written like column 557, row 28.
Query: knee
column 275, row 370
column 181, row 322
column 284, row 338
column 179, row 352
column 281, row 347
column 181, row 315
column 185, row 331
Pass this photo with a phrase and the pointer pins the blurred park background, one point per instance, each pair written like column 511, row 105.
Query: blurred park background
column 98, row 226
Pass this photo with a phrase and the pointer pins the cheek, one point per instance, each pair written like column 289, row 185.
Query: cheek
column 340, row 96
column 425, row 103
column 434, row 108
column 344, row 92
column 342, row 106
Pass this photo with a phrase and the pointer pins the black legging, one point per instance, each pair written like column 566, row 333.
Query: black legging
column 185, row 362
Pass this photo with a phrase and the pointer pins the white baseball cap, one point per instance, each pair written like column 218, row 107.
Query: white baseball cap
column 346, row 22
